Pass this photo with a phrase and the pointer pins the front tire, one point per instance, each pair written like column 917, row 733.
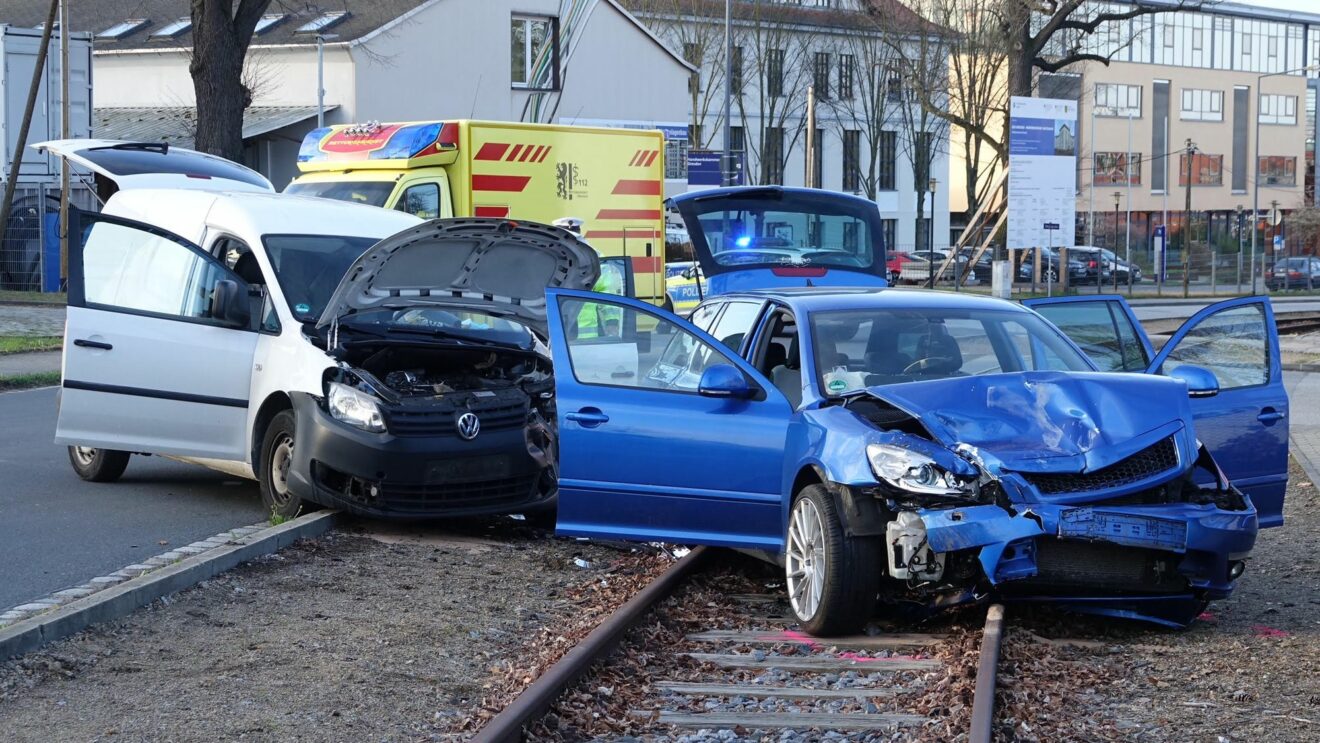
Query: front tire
column 833, row 579
column 276, row 462
column 98, row 465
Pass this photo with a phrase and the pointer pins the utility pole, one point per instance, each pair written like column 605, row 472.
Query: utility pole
column 38, row 70
column 65, row 132
column 812, row 144
column 728, row 92
column 1187, row 213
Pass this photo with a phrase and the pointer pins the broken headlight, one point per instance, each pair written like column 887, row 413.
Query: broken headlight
column 354, row 407
column 916, row 473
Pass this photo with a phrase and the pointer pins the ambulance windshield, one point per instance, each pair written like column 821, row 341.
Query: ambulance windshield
column 374, row 193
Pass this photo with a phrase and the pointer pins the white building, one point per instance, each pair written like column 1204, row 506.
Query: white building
column 844, row 50
column 384, row 60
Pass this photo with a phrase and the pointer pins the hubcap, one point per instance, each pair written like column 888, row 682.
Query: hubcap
column 85, row 455
column 805, row 559
column 281, row 458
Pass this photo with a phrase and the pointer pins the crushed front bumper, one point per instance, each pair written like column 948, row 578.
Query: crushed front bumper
column 1159, row 563
column 379, row 474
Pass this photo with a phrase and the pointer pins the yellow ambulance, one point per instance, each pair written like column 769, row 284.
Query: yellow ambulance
column 611, row 179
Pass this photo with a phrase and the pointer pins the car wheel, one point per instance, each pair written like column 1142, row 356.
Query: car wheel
column 832, row 578
column 893, row 277
column 98, row 465
column 276, row 461
column 1052, row 276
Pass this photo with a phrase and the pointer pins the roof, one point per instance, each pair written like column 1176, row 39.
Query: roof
column 178, row 124
column 892, row 14
column 364, row 17
column 816, row 299
column 722, row 192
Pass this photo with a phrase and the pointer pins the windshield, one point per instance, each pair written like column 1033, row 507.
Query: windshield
column 864, row 348
column 309, row 267
column 372, row 193
column 786, row 228
column 464, row 324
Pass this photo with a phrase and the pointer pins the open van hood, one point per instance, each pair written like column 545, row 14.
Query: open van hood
column 496, row 266
column 156, row 165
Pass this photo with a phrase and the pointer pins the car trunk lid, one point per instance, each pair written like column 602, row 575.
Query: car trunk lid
column 156, row 165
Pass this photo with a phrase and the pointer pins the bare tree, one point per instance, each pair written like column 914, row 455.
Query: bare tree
column 775, row 59
column 872, row 109
column 222, row 32
column 686, row 29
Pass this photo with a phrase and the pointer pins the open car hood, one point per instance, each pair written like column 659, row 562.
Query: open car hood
column 1048, row 421
column 156, row 165
column 495, row 266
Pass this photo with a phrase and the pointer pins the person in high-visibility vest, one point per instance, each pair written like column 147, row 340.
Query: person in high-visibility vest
column 597, row 320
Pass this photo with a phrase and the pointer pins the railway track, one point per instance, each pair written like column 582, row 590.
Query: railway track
column 1295, row 323
column 753, row 676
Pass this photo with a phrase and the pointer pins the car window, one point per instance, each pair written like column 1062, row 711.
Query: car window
column 309, row 267
column 374, row 193
column 736, row 323
column 1102, row 330
column 1232, row 343
column 421, row 200
column 129, row 268
column 704, row 315
column 652, row 353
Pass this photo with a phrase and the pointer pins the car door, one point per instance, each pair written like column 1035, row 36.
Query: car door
column 642, row 455
column 1245, row 424
column 156, row 165
column 147, row 368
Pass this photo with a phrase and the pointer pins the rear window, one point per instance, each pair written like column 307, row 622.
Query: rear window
column 151, row 159
column 372, row 193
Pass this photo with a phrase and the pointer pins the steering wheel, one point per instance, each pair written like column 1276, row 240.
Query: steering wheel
column 927, row 364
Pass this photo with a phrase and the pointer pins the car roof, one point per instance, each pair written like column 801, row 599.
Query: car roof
column 738, row 191
column 188, row 213
column 815, row 299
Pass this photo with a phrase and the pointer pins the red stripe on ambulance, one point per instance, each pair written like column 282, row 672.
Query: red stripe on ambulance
column 628, row 214
column 491, row 211
column 628, row 187
column 492, row 151
column 504, row 183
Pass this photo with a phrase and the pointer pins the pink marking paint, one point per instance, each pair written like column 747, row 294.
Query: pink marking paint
column 1262, row 630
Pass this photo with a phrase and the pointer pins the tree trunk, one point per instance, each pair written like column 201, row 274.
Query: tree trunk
column 221, row 34
column 1022, row 45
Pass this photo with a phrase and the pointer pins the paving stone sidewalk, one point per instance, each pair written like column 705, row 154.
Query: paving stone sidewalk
column 18, row 319
column 1304, row 428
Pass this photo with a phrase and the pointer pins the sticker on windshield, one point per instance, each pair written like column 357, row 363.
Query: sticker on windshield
column 840, row 380
column 838, row 385
column 302, row 308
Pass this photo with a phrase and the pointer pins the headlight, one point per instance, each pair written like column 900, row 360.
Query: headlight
column 354, row 407
column 915, row 472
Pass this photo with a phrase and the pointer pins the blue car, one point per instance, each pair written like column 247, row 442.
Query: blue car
column 892, row 446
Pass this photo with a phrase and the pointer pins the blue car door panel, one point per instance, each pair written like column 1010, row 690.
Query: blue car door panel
column 1245, row 424
column 642, row 455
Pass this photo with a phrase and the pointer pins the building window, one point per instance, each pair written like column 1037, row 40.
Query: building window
column 692, row 55
column 852, row 160
column 676, row 156
column 736, row 70
column 1202, row 105
column 886, row 160
column 1278, row 109
column 889, row 233
column 774, row 72
column 1207, row 170
column 820, row 77
column 846, row 67
column 772, row 156
column 924, row 157
column 534, row 52
column 818, row 159
column 1111, row 166
column 1113, row 99
column 1277, row 171
column 737, row 139
column 894, row 89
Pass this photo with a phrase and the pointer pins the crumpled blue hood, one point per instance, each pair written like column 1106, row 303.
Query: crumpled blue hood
column 1048, row 421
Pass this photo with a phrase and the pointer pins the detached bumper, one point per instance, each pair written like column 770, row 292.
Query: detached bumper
column 1160, row 563
column 379, row 474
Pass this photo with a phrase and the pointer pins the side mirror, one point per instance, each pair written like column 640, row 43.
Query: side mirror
column 1201, row 382
column 229, row 304
column 688, row 273
column 723, row 380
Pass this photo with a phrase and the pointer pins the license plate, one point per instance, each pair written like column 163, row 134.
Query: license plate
column 1124, row 528
column 463, row 470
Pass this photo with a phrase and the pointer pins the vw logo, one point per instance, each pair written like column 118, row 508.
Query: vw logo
column 468, row 426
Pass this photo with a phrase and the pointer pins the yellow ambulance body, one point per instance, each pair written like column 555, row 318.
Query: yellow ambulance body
column 611, row 179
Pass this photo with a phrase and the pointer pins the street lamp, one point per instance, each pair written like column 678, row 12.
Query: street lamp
column 320, row 77
column 930, row 237
column 1238, row 211
column 1255, row 188
column 1100, row 264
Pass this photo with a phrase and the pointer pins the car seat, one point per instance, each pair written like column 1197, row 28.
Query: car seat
column 939, row 352
column 249, row 270
column 788, row 376
column 775, row 356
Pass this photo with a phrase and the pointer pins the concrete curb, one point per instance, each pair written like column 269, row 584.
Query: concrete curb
column 117, row 601
column 1309, row 466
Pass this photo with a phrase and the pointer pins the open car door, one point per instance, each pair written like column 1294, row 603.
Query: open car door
column 159, row 344
column 156, row 165
column 664, row 433
column 1245, row 423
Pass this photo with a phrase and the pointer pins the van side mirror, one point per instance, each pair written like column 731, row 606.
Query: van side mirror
column 1201, row 382
column 229, row 304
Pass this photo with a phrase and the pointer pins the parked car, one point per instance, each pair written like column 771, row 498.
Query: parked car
column 1122, row 267
column 339, row 354
column 929, row 448
column 1095, row 268
column 896, row 261
column 1049, row 271
column 1294, row 273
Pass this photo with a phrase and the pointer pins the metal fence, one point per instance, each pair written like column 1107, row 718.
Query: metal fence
column 29, row 243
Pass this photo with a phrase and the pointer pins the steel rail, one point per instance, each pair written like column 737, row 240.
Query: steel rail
column 983, row 700
column 536, row 699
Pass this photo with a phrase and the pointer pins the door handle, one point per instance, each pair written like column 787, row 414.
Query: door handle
column 588, row 417
column 84, row 343
column 1269, row 415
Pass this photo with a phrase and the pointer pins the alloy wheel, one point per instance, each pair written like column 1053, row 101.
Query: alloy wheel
column 805, row 558
column 281, row 459
column 85, row 455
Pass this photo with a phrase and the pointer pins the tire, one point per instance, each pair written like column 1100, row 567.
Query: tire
column 668, row 305
column 840, row 572
column 893, row 278
column 276, row 459
column 98, row 465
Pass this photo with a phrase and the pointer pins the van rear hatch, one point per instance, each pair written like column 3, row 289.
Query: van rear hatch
column 156, row 165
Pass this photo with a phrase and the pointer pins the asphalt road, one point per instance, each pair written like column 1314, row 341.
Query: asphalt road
column 57, row 530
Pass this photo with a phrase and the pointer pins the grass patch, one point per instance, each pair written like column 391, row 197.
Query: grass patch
column 28, row 381
column 29, row 343
column 51, row 298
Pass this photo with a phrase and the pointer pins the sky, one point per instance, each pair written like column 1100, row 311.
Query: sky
column 1312, row 6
